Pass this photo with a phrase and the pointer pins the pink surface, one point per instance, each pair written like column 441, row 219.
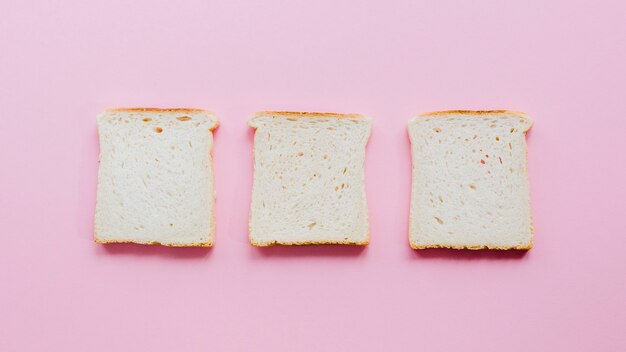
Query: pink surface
column 62, row 62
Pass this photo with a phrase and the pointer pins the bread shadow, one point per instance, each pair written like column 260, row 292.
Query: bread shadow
column 466, row 254
column 336, row 251
column 140, row 250
column 87, row 184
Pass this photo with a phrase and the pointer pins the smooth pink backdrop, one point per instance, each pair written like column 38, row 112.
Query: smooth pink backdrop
column 63, row 62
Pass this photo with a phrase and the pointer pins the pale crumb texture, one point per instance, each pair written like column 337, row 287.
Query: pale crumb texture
column 308, row 183
column 155, row 182
column 470, row 182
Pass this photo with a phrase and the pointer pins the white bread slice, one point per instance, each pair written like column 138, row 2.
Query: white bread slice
column 308, row 183
column 470, row 182
column 155, row 182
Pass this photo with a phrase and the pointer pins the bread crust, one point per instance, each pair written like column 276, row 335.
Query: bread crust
column 308, row 243
column 216, row 122
column 307, row 114
column 527, row 121
column 475, row 248
column 190, row 110
column 155, row 243
column 473, row 112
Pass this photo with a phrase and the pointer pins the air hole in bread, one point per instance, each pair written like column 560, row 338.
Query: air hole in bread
column 497, row 138
column 300, row 153
column 158, row 130
column 183, row 118
column 472, row 186
column 439, row 220
column 311, row 225
column 512, row 130
column 437, row 129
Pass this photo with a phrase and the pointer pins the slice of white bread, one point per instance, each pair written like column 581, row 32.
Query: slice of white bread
column 470, row 182
column 308, row 185
column 155, row 182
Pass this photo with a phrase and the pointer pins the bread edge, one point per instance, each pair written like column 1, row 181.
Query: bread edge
column 473, row 112
column 440, row 114
column 461, row 247
column 307, row 115
column 216, row 122
column 309, row 243
column 155, row 243
column 157, row 110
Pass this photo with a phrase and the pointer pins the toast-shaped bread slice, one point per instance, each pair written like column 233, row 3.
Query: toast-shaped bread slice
column 470, row 181
column 155, row 182
column 308, row 185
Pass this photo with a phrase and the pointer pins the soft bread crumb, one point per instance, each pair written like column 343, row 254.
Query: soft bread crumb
column 153, row 188
column 469, row 159
column 308, row 180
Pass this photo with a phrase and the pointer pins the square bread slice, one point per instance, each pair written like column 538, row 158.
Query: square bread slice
column 308, row 185
column 155, row 182
column 470, row 183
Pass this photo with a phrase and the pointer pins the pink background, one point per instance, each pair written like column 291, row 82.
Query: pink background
column 62, row 62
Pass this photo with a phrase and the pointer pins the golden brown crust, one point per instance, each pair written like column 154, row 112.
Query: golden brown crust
column 473, row 112
column 426, row 246
column 306, row 114
column 187, row 110
column 155, row 243
column 215, row 121
column 308, row 243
